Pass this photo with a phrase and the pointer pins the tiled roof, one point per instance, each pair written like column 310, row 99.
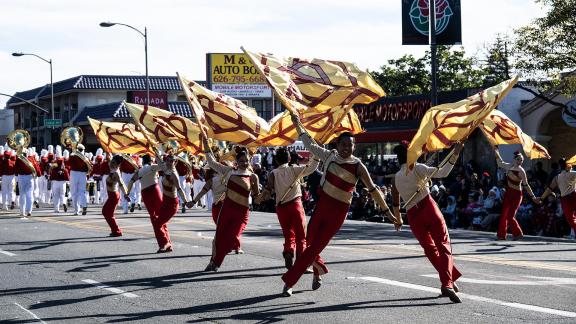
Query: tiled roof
column 117, row 110
column 103, row 82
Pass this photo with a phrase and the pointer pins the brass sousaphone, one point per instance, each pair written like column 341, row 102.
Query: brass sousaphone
column 19, row 140
column 70, row 138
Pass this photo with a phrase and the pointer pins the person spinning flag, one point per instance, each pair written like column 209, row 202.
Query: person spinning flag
column 341, row 173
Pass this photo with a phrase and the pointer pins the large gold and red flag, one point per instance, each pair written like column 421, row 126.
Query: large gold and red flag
column 572, row 160
column 322, row 126
column 499, row 129
column 445, row 124
column 303, row 84
column 118, row 137
column 225, row 118
column 162, row 125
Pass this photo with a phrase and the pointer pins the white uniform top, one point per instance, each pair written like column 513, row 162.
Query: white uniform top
column 566, row 182
column 408, row 184
column 218, row 188
column 148, row 175
column 285, row 175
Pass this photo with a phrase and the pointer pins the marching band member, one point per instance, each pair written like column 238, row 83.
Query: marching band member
column 170, row 189
column 235, row 210
column 43, row 178
column 566, row 183
column 284, row 180
column 97, row 175
column 78, row 177
column 35, row 181
column 104, row 170
column 27, row 169
column 8, row 169
column 516, row 180
column 342, row 172
column 127, row 169
column 426, row 220
column 198, row 183
column 112, row 182
column 183, row 170
column 59, row 176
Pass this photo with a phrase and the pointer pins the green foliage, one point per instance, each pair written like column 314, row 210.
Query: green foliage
column 410, row 75
column 547, row 46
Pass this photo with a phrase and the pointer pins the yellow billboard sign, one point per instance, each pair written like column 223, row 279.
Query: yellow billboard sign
column 234, row 74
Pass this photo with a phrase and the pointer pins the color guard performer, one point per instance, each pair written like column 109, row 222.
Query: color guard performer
column 170, row 189
column 426, row 220
column 284, row 181
column 566, row 183
column 516, row 180
column 341, row 173
column 151, row 194
column 235, row 210
column 112, row 182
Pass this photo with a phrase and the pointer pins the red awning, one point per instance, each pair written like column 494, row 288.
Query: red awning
column 386, row 136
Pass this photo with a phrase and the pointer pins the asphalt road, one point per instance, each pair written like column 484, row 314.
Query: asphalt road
column 58, row 268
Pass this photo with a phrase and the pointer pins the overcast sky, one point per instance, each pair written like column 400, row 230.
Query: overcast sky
column 181, row 32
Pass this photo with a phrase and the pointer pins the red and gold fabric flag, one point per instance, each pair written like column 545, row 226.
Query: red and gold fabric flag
column 322, row 126
column 499, row 129
column 118, row 137
column 303, row 84
column 162, row 125
column 572, row 160
column 225, row 118
column 445, row 124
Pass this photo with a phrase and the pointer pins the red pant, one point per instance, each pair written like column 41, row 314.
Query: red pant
column 232, row 222
column 428, row 226
column 569, row 209
column 510, row 205
column 152, row 198
column 293, row 223
column 328, row 217
column 167, row 210
column 108, row 211
column 215, row 214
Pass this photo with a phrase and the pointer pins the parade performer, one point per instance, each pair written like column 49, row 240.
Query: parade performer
column 97, row 175
column 341, row 173
column 566, row 183
column 58, row 178
column 43, row 178
column 127, row 169
column 235, row 210
column 170, row 191
column 184, row 169
column 104, row 170
column 112, row 182
column 147, row 175
column 426, row 220
column 27, row 169
column 198, row 182
column 216, row 186
column 284, row 181
column 8, row 169
column 79, row 168
column 516, row 180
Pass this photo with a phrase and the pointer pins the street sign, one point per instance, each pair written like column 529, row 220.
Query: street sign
column 52, row 122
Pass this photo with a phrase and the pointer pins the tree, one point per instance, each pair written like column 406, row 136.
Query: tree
column 547, row 46
column 496, row 61
column 409, row 75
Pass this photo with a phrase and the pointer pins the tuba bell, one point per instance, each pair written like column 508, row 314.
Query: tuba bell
column 70, row 138
column 19, row 140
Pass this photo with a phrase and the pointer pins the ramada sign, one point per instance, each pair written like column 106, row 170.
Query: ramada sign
column 157, row 98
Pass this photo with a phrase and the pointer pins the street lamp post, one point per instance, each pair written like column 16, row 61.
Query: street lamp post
column 51, row 83
column 145, row 34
